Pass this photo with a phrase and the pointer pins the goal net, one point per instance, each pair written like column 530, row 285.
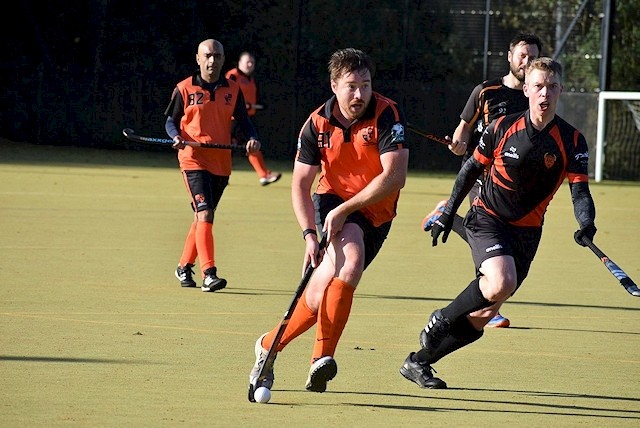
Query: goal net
column 618, row 136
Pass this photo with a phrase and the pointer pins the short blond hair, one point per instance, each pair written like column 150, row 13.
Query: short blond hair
column 545, row 64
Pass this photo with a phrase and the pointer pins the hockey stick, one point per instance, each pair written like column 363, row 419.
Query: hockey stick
column 615, row 270
column 273, row 349
column 131, row 135
column 428, row 135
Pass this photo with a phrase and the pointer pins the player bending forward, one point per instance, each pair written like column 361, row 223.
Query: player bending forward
column 356, row 141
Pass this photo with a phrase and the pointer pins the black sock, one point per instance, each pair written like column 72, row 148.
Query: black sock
column 462, row 333
column 459, row 228
column 470, row 300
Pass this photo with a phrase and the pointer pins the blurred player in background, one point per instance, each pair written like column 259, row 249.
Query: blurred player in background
column 489, row 100
column 356, row 142
column 201, row 109
column 243, row 74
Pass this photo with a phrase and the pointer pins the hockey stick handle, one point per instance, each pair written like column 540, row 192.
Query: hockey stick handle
column 613, row 268
column 428, row 135
column 273, row 349
column 131, row 135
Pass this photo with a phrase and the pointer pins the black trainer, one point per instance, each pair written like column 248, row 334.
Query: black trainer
column 435, row 331
column 322, row 371
column 211, row 281
column 185, row 276
column 421, row 374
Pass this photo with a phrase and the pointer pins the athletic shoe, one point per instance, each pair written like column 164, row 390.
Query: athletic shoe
column 322, row 371
column 185, row 276
column 211, row 281
column 421, row 374
column 498, row 322
column 272, row 177
column 427, row 222
column 261, row 356
column 435, row 331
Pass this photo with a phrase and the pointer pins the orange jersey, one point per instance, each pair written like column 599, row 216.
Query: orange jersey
column 204, row 112
column 247, row 85
column 350, row 158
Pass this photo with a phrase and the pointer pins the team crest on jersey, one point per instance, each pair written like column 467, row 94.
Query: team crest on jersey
column 549, row 160
column 367, row 134
column 227, row 99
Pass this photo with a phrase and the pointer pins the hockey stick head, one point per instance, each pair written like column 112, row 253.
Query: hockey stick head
column 630, row 286
column 613, row 268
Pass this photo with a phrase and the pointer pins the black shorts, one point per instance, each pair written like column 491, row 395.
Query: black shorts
column 489, row 237
column 373, row 236
column 205, row 188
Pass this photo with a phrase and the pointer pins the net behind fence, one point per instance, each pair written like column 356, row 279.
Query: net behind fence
column 621, row 145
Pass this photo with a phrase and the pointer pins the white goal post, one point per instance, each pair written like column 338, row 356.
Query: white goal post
column 602, row 122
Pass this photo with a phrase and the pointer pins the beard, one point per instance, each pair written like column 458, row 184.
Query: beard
column 517, row 73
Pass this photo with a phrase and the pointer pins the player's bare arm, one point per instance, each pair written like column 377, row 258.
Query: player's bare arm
column 461, row 137
column 301, row 181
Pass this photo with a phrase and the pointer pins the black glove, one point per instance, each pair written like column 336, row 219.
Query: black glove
column 443, row 225
column 587, row 232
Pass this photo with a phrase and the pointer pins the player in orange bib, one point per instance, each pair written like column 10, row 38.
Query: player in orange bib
column 243, row 74
column 356, row 143
column 201, row 109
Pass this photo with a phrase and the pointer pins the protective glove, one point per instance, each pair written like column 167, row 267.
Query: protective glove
column 588, row 231
column 443, row 226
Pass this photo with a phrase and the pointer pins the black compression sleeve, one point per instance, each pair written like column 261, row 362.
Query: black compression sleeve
column 583, row 207
column 469, row 173
column 171, row 128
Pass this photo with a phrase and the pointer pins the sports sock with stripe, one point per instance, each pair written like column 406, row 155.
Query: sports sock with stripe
column 302, row 319
column 332, row 317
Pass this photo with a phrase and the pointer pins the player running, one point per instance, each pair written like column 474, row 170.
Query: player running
column 529, row 155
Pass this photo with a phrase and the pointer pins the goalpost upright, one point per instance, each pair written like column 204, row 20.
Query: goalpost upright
column 602, row 121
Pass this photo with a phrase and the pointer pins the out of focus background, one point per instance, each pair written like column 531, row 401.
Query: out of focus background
column 77, row 73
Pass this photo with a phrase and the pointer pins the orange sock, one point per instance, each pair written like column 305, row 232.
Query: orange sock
column 332, row 317
column 204, row 244
column 301, row 320
column 257, row 161
column 189, row 252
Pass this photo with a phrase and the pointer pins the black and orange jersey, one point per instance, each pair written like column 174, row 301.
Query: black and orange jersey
column 488, row 101
column 350, row 158
column 528, row 166
column 248, row 86
column 204, row 112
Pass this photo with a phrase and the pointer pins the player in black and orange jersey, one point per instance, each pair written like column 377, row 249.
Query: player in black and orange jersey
column 529, row 155
column 490, row 100
column 356, row 142
column 201, row 109
column 243, row 74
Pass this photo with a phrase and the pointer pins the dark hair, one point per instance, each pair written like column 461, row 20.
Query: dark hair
column 527, row 39
column 348, row 60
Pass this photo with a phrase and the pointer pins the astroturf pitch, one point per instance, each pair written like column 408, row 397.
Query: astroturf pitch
column 96, row 331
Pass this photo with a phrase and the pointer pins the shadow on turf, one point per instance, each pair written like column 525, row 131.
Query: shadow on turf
column 510, row 302
column 71, row 360
column 556, row 409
